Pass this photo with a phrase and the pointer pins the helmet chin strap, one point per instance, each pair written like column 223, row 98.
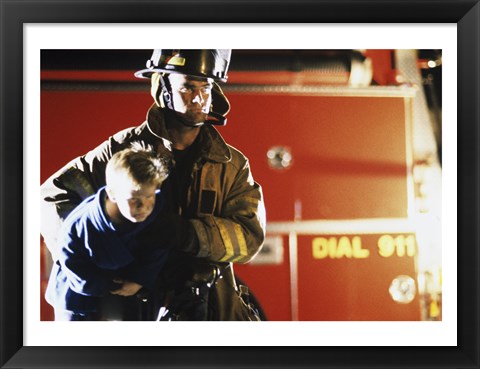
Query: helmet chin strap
column 166, row 92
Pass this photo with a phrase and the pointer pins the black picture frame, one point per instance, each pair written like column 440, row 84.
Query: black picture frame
column 14, row 14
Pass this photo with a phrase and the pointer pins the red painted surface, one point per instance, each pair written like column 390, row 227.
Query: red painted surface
column 74, row 122
column 352, row 288
column 348, row 153
column 46, row 311
column 384, row 69
column 89, row 75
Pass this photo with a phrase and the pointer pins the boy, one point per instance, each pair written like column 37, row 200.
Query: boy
column 100, row 255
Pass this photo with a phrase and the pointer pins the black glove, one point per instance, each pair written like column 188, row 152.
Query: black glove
column 171, row 231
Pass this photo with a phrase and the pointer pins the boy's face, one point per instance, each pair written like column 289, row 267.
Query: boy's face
column 135, row 202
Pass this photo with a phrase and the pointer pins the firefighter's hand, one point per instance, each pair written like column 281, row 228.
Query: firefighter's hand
column 127, row 288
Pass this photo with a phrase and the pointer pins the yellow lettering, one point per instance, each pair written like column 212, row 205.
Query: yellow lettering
column 344, row 248
column 332, row 247
column 400, row 245
column 386, row 246
column 320, row 248
column 411, row 245
column 323, row 247
column 358, row 252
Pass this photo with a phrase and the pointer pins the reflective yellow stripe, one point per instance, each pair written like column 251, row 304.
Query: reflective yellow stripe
column 241, row 242
column 234, row 241
column 250, row 204
column 251, row 200
column 244, row 212
column 229, row 252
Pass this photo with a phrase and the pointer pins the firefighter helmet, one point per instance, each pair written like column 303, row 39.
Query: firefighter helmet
column 198, row 63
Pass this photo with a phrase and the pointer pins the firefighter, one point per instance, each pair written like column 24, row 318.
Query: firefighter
column 214, row 214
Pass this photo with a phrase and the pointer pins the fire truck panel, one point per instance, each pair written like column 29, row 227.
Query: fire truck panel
column 357, row 277
column 349, row 153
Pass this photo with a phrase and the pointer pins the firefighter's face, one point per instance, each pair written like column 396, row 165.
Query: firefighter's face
column 191, row 97
column 135, row 202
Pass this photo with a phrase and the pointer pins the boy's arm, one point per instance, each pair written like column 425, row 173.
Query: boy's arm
column 83, row 276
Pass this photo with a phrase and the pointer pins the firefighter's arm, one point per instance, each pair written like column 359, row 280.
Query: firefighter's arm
column 67, row 188
column 238, row 234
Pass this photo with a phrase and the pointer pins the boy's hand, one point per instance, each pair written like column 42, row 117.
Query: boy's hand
column 127, row 288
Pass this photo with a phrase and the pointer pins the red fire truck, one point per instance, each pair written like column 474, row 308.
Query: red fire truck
column 339, row 141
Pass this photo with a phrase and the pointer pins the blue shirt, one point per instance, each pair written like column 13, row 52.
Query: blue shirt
column 93, row 252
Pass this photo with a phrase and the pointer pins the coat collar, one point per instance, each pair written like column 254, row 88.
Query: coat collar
column 213, row 146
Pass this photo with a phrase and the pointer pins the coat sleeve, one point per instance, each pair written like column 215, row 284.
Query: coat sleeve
column 67, row 188
column 238, row 232
column 83, row 276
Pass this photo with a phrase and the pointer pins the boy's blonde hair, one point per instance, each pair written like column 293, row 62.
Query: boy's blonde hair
column 140, row 163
